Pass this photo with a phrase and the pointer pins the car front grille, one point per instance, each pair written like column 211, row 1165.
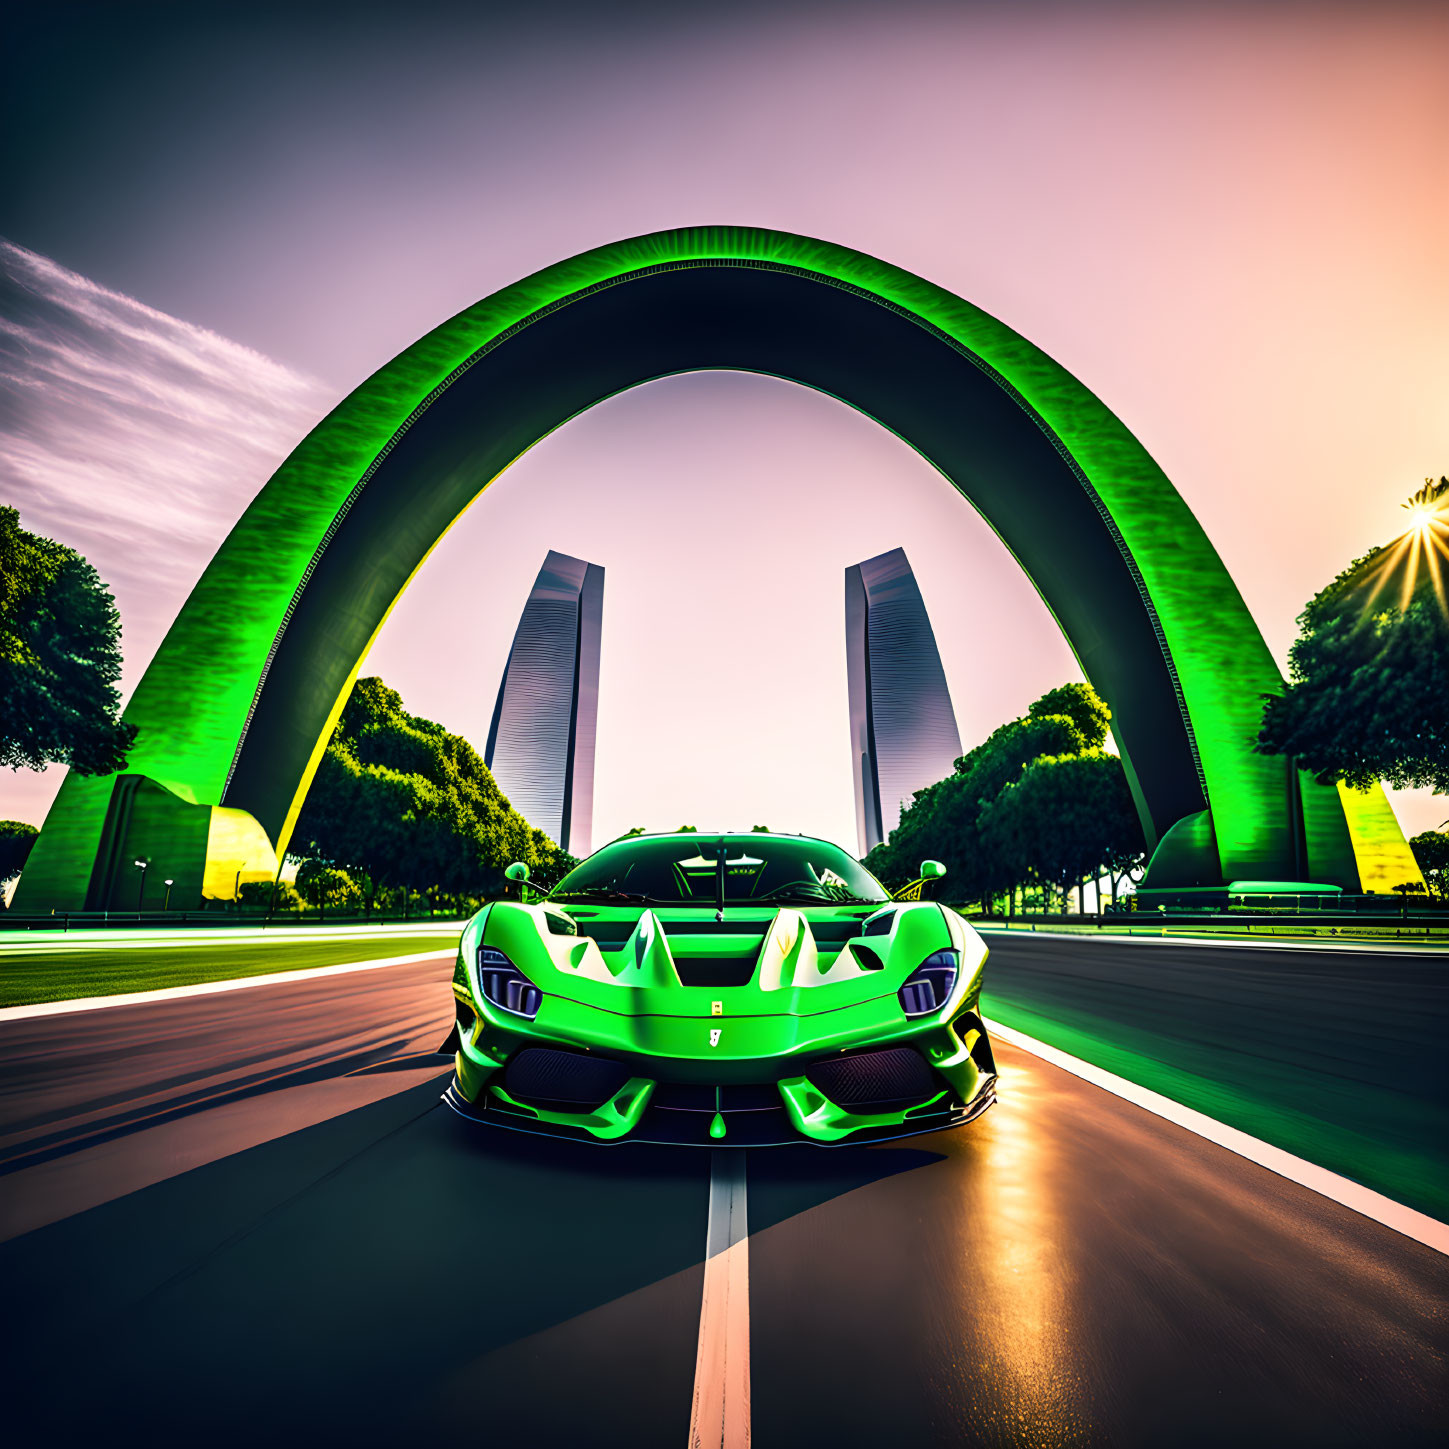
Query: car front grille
column 878, row 1081
column 572, row 1081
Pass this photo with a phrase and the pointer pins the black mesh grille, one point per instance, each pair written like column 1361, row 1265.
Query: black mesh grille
column 876, row 1081
column 562, row 1079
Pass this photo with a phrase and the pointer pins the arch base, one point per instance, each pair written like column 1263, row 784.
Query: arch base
column 206, row 851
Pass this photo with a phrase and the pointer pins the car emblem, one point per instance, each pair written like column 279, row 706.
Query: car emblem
column 714, row 1036
column 716, row 1008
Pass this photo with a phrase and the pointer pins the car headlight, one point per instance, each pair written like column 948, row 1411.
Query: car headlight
column 929, row 986
column 505, row 985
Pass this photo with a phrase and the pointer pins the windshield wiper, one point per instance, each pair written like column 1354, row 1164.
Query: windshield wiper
column 785, row 896
column 602, row 893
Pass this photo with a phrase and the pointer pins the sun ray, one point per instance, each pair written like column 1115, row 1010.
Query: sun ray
column 1422, row 547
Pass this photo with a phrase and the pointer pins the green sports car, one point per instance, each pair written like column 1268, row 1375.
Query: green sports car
column 720, row 990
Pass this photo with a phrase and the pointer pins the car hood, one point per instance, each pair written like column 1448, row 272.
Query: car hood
column 638, row 962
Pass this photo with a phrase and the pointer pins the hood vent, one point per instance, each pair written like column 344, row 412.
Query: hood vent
column 716, row 970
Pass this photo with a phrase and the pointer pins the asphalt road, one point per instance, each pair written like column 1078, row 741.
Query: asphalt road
column 245, row 1218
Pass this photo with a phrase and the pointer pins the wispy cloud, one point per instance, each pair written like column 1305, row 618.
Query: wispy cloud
column 132, row 436
column 135, row 438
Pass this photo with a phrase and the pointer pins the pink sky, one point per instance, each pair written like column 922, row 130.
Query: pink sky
column 1229, row 223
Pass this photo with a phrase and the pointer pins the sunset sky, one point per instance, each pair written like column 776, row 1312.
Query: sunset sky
column 1229, row 221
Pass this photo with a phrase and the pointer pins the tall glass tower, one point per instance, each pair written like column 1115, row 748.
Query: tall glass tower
column 902, row 727
column 541, row 740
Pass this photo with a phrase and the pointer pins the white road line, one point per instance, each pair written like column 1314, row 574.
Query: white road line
column 208, row 988
column 720, row 1415
column 1419, row 1226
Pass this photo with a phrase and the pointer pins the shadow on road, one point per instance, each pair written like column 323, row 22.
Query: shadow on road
column 346, row 1280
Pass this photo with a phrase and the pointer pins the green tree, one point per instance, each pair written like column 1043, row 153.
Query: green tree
column 398, row 802
column 60, row 658
column 942, row 822
column 1068, row 820
column 948, row 821
column 16, row 838
column 1081, row 704
column 1431, row 852
column 324, row 885
column 1368, row 697
column 265, row 895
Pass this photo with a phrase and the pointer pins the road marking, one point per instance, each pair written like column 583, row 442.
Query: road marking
column 207, row 988
column 720, row 1415
column 1342, row 1190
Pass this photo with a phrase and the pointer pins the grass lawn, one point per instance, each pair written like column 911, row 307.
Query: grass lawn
column 36, row 973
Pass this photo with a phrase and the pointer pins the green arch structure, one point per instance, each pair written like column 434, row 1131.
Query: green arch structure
column 236, row 708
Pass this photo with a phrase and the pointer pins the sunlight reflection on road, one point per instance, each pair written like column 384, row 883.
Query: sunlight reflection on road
column 1021, row 1285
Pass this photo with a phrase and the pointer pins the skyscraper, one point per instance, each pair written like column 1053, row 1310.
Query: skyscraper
column 902, row 727
column 541, row 740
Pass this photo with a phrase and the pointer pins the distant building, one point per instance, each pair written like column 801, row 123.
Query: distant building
column 541, row 740
column 902, row 727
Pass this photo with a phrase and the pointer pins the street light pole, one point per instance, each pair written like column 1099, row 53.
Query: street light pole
column 166, row 905
column 141, row 887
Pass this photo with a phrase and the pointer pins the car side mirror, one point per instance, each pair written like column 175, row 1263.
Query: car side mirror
column 930, row 870
column 527, row 891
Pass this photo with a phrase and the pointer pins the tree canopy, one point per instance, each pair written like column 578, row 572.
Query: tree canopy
column 16, row 838
column 1431, row 852
column 1038, row 801
column 398, row 801
column 1069, row 818
column 60, row 658
column 1368, row 697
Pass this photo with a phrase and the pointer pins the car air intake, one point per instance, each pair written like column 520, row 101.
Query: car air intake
column 559, row 924
column 574, row 1081
column 716, row 970
column 883, row 1081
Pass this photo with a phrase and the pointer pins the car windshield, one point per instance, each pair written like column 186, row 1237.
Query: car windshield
column 692, row 869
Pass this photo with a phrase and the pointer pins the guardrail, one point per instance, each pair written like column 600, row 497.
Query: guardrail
column 1432, row 925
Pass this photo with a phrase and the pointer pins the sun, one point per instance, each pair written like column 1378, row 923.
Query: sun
column 1423, row 547
column 1429, row 507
